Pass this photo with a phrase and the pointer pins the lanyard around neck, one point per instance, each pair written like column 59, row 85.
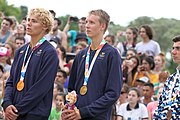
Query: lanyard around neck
column 24, row 66
column 88, row 68
column 20, row 84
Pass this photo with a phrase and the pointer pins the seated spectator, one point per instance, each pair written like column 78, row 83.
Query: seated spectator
column 20, row 31
column 5, row 32
column 122, row 99
column 80, row 38
column 61, row 77
column 123, row 96
column 110, row 39
column 57, row 110
column 129, row 68
column 162, row 79
column 19, row 42
column 57, row 89
column 27, row 37
column 130, row 52
column 12, row 48
column 15, row 22
column 5, row 59
column 160, row 62
column 152, row 105
column 23, row 21
column 148, row 92
column 80, row 46
column 63, row 65
column 140, row 83
column 81, row 43
column 145, row 69
column 133, row 109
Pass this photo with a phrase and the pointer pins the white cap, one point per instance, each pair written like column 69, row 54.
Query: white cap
column 143, row 79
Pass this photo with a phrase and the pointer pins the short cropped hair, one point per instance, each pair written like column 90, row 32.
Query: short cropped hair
column 20, row 38
column 104, row 17
column 58, row 21
column 63, row 72
column 176, row 38
column 149, row 84
column 83, row 18
column 44, row 16
column 53, row 12
column 9, row 20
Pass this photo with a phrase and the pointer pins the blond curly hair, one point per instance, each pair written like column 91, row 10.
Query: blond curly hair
column 44, row 16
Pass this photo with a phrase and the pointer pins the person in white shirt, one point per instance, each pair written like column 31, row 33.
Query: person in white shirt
column 148, row 45
column 132, row 110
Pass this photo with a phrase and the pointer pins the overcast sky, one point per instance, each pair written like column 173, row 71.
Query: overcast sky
column 120, row 11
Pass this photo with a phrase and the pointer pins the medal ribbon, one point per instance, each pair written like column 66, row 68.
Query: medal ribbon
column 24, row 66
column 88, row 69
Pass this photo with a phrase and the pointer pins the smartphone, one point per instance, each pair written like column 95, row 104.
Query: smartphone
column 70, row 56
column 142, row 68
column 129, row 62
column 75, row 19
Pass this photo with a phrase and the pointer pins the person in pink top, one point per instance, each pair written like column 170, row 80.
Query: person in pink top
column 152, row 105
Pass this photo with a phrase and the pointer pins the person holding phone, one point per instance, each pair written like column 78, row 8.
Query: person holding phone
column 72, row 34
column 145, row 69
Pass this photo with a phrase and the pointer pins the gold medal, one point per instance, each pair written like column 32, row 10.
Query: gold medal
column 20, row 85
column 169, row 114
column 83, row 90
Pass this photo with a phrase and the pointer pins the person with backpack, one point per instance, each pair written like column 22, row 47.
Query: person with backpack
column 131, row 38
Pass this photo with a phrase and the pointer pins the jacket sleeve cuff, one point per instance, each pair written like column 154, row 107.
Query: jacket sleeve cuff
column 6, row 104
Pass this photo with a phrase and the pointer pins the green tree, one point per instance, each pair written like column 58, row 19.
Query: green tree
column 165, row 29
column 24, row 11
column 9, row 10
column 114, row 28
column 141, row 21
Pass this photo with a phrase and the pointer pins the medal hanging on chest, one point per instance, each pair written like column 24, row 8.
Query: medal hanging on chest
column 83, row 90
column 88, row 68
column 20, row 85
